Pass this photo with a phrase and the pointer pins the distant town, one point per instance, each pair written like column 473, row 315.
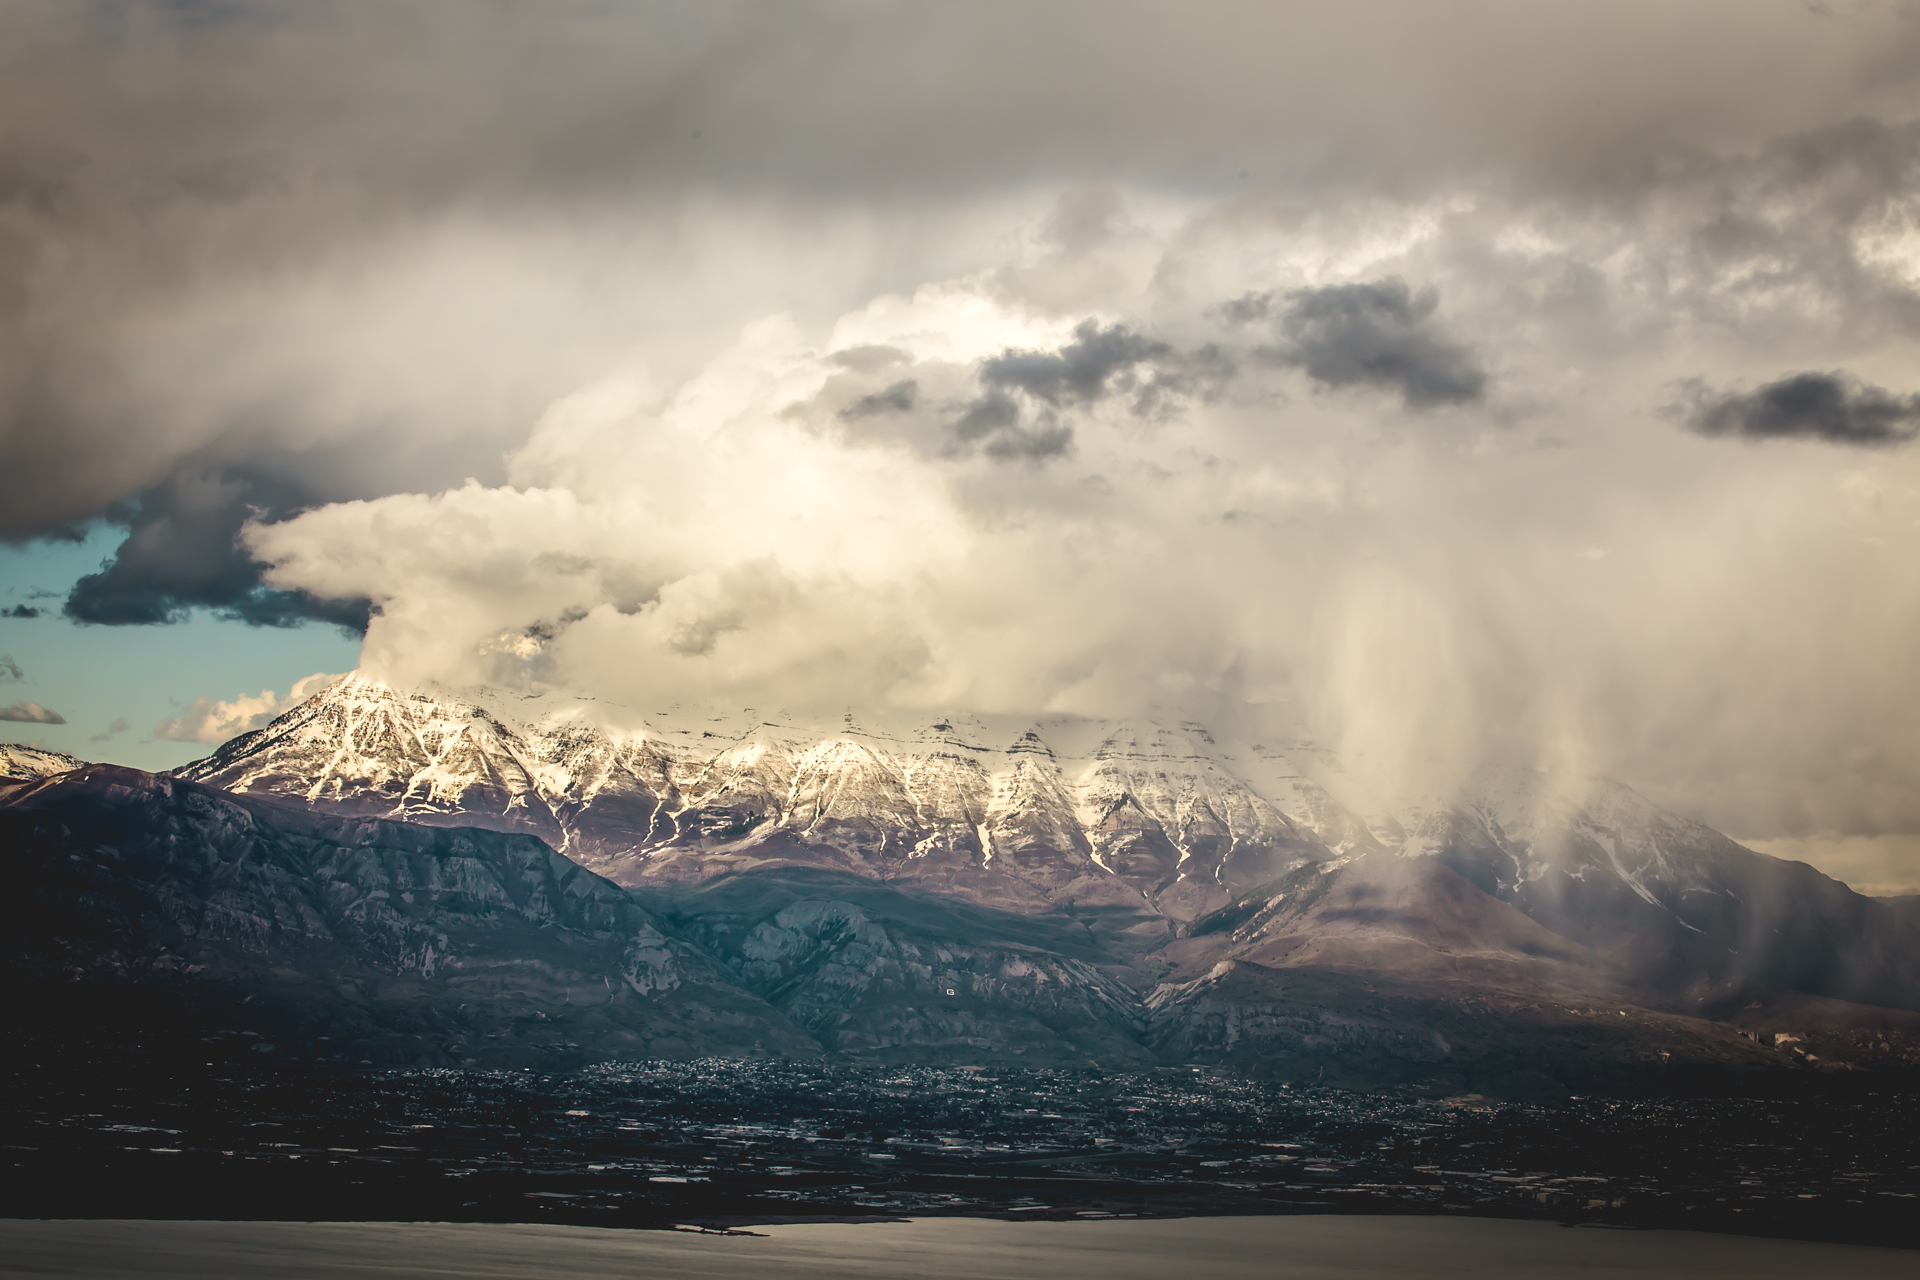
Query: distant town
column 139, row 1130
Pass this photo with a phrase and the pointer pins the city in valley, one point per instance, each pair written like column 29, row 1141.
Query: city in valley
column 172, row 1130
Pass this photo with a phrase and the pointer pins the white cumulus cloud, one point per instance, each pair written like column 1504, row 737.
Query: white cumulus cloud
column 213, row 720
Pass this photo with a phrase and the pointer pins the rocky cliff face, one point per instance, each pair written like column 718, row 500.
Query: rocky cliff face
column 877, row 973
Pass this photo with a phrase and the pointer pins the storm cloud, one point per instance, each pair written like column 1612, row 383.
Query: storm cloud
column 994, row 423
column 1098, row 362
column 1027, row 393
column 1832, row 407
column 1378, row 334
column 1293, row 363
column 181, row 552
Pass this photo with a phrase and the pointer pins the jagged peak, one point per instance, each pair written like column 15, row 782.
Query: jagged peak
column 1030, row 743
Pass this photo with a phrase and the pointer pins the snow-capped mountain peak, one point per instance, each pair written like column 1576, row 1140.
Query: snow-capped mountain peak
column 1003, row 810
column 1014, row 812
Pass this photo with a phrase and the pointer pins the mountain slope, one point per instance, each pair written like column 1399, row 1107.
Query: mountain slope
column 1674, row 903
column 1400, row 966
column 337, row 936
column 1153, row 818
column 364, row 937
column 344, row 936
column 877, row 972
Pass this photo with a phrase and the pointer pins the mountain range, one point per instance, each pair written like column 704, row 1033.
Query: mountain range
column 1109, row 813
column 961, row 889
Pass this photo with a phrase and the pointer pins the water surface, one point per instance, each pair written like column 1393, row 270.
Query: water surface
column 1279, row 1248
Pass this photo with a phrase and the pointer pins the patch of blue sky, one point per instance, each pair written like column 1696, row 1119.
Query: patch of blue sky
column 143, row 675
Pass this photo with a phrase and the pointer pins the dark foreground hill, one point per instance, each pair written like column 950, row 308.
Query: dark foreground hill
column 350, row 938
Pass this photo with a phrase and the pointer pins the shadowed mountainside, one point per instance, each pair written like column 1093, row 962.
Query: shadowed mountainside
column 351, row 937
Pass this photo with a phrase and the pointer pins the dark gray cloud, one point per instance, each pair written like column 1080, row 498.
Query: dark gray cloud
column 181, row 553
column 31, row 713
column 20, row 611
column 1378, row 334
column 10, row 672
column 1834, row 407
column 991, row 413
column 901, row 397
column 451, row 97
column 1031, row 444
column 1099, row 362
column 993, row 423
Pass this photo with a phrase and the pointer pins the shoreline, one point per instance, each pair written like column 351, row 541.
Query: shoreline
column 1297, row 1247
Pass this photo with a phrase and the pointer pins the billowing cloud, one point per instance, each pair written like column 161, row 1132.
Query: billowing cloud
column 1809, row 406
column 1421, row 597
column 212, row 720
column 31, row 713
column 1239, row 364
column 252, row 249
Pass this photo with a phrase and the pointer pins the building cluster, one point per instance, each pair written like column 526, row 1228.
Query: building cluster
column 729, row 1142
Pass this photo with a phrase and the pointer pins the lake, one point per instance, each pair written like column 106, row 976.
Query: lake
column 1294, row 1248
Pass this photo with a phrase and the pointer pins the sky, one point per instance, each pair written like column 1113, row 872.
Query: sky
column 1452, row 383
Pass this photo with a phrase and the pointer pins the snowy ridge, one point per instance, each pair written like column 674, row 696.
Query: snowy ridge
column 1152, row 813
column 24, row 762
column 1120, row 810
